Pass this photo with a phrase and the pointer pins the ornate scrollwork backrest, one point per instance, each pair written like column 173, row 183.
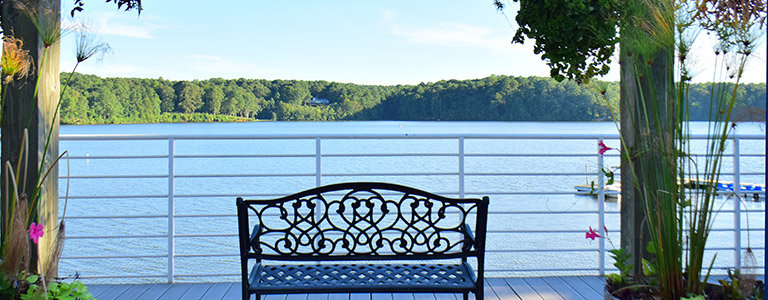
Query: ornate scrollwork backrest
column 362, row 219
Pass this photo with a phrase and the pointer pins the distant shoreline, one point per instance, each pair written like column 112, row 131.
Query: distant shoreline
column 90, row 99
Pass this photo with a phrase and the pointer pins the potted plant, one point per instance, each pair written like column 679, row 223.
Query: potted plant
column 24, row 274
column 665, row 226
column 658, row 166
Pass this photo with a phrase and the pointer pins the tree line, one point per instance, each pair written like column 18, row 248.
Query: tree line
column 89, row 99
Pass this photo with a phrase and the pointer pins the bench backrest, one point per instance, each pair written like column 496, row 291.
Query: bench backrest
column 362, row 220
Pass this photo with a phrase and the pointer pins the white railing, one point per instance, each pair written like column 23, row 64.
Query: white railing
column 127, row 244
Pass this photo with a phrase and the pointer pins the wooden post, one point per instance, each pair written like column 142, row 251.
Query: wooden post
column 645, row 80
column 634, row 235
column 25, row 110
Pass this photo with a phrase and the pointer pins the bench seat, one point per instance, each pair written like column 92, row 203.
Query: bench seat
column 351, row 278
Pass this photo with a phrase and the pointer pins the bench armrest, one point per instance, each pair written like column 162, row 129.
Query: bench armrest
column 469, row 239
column 254, row 241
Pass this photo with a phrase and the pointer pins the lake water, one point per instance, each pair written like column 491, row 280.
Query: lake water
column 386, row 127
column 515, row 218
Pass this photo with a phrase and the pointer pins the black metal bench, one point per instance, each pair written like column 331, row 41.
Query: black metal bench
column 362, row 237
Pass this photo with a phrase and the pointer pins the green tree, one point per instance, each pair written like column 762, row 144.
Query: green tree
column 212, row 98
column 296, row 92
column 247, row 105
column 106, row 106
column 232, row 99
column 166, row 94
column 501, row 98
column 74, row 107
column 190, row 96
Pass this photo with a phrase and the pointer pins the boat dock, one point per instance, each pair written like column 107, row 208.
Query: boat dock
column 753, row 190
column 724, row 187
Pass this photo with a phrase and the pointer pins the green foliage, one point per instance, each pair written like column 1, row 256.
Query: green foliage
column 94, row 100
column 30, row 288
column 74, row 290
column 190, row 96
column 621, row 258
column 738, row 286
column 576, row 39
column 609, row 175
column 9, row 286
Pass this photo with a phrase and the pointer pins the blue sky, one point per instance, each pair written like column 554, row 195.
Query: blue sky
column 364, row 42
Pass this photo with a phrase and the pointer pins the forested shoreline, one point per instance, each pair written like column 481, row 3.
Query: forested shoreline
column 89, row 99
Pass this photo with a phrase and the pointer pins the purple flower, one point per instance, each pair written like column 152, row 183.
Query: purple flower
column 602, row 148
column 35, row 231
column 591, row 234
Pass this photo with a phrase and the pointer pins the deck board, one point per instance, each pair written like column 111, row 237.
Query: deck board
column 529, row 288
column 97, row 289
column 381, row 296
column 338, row 296
column 359, row 296
column 133, row 292
column 196, row 291
column 154, row 291
column 582, row 287
column 296, row 297
column 522, row 289
column 175, row 291
column 217, row 290
column 424, row 296
column 563, row 289
column 402, row 296
column 595, row 282
column 498, row 288
column 114, row 291
column 545, row 291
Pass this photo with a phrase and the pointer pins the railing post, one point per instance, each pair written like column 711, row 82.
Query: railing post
column 318, row 162
column 171, row 209
column 736, row 203
column 601, row 208
column 461, row 167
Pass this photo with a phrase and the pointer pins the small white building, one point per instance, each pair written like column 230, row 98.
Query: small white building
column 318, row 101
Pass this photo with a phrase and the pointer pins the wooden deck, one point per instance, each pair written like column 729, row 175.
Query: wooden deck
column 538, row 288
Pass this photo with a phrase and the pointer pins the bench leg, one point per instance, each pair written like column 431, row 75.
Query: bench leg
column 466, row 295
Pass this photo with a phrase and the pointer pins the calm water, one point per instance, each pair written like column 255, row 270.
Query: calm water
column 569, row 215
column 371, row 127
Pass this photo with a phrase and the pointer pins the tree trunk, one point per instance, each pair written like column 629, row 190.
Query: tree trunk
column 25, row 110
column 647, row 117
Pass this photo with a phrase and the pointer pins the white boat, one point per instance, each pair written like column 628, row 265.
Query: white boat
column 612, row 191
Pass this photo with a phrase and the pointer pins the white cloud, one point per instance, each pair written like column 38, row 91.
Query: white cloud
column 209, row 63
column 111, row 70
column 208, row 66
column 120, row 25
column 127, row 31
column 387, row 16
column 451, row 34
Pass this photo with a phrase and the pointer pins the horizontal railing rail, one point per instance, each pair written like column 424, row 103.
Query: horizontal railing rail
column 458, row 174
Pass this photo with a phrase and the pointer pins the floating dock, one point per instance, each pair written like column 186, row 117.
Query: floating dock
column 611, row 191
column 723, row 187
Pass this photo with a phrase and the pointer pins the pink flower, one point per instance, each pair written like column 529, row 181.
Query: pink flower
column 591, row 234
column 35, row 231
column 602, row 148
